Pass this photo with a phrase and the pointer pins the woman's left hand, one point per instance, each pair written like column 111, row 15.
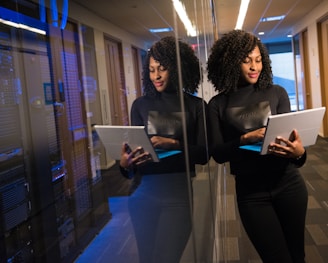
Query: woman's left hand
column 288, row 148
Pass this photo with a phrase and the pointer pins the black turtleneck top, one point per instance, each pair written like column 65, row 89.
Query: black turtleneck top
column 162, row 116
column 233, row 115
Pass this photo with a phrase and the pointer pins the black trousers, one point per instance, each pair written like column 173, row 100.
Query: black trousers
column 273, row 215
column 161, row 217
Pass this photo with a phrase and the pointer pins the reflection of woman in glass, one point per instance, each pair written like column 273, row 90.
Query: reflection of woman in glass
column 160, row 206
column 271, row 193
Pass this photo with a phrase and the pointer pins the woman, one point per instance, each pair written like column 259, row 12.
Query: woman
column 160, row 206
column 271, row 194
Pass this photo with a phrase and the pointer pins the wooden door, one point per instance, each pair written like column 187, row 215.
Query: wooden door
column 323, row 49
column 301, row 58
column 307, row 97
column 116, row 83
column 137, row 71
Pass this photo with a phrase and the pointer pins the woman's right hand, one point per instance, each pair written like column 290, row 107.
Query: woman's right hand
column 165, row 143
column 253, row 136
column 131, row 158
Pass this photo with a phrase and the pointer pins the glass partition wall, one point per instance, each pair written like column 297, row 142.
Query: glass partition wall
column 61, row 193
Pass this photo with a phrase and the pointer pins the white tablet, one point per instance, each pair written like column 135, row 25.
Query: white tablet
column 113, row 137
column 306, row 122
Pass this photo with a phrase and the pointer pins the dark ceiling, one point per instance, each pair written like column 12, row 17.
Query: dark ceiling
column 138, row 16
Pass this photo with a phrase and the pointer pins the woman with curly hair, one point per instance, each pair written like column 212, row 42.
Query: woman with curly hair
column 271, row 193
column 160, row 206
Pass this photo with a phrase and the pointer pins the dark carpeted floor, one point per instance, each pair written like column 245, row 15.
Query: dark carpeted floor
column 116, row 244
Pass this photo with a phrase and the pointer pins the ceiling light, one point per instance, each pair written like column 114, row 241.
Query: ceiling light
column 272, row 18
column 181, row 11
column 242, row 14
column 160, row 30
column 261, row 33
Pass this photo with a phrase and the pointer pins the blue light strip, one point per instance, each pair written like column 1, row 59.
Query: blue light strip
column 64, row 14
column 42, row 11
column 54, row 13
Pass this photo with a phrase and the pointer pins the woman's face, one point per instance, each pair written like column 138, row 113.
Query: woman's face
column 251, row 66
column 158, row 74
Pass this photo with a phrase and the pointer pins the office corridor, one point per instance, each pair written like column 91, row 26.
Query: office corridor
column 115, row 243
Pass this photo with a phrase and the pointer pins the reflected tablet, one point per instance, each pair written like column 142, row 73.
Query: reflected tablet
column 113, row 137
column 306, row 122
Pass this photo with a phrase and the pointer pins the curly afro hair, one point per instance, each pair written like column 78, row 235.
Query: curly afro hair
column 164, row 51
column 227, row 54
